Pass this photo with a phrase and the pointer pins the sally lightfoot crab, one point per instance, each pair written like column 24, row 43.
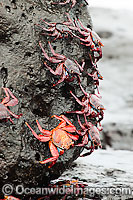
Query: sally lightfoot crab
column 57, row 30
column 88, row 38
column 65, row 66
column 91, row 106
column 68, row 1
column 4, row 111
column 59, row 138
column 65, row 2
column 96, row 76
column 89, row 132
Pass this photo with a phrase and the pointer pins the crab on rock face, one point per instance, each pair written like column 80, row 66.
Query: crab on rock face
column 89, row 132
column 96, row 76
column 65, row 66
column 91, row 106
column 65, row 2
column 57, row 30
column 4, row 111
column 88, row 38
column 68, row 1
column 59, row 138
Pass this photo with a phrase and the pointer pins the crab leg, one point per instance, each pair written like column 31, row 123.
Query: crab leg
column 59, row 117
column 86, row 94
column 77, row 112
column 55, row 54
column 67, row 1
column 61, row 80
column 62, row 3
column 73, row 137
column 42, row 138
column 61, row 124
column 12, row 102
column 49, row 24
column 51, row 59
column 84, row 33
column 6, row 101
column 69, row 22
column 73, row 3
column 14, row 115
column 86, row 154
column 45, row 132
column 80, row 67
column 70, row 128
column 56, row 34
column 93, row 64
column 87, row 40
column 54, row 153
column 76, row 99
column 88, row 30
column 81, row 125
column 45, row 29
column 58, row 70
column 84, row 141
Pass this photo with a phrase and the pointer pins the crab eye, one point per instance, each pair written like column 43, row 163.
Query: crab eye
column 72, row 71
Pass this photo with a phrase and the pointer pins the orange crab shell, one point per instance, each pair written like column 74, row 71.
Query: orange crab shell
column 61, row 139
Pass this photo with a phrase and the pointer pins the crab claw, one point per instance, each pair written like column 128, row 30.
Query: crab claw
column 52, row 116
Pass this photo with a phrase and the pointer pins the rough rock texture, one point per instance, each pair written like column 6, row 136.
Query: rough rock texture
column 21, row 63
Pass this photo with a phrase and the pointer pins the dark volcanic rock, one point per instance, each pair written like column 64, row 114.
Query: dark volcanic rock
column 21, row 64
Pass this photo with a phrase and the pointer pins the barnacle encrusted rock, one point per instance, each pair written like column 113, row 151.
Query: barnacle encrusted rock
column 22, row 70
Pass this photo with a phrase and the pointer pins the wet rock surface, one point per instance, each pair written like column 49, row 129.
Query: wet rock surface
column 108, row 174
column 22, row 70
column 118, row 136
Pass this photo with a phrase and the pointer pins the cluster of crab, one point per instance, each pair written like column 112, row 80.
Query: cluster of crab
column 66, row 135
column 69, row 69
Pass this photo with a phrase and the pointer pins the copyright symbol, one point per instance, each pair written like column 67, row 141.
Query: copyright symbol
column 7, row 189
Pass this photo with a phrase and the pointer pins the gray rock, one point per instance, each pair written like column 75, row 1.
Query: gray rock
column 21, row 60
column 118, row 136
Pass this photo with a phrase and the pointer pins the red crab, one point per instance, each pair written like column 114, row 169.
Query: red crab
column 94, row 100
column 65, row 2
column 57, row 30
column 89, row 132
column 59, row 138
column 89, row 38
column 4, row 111
column 65, row 66
column 68, row 1
column 96, row 76
column 91, row 106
